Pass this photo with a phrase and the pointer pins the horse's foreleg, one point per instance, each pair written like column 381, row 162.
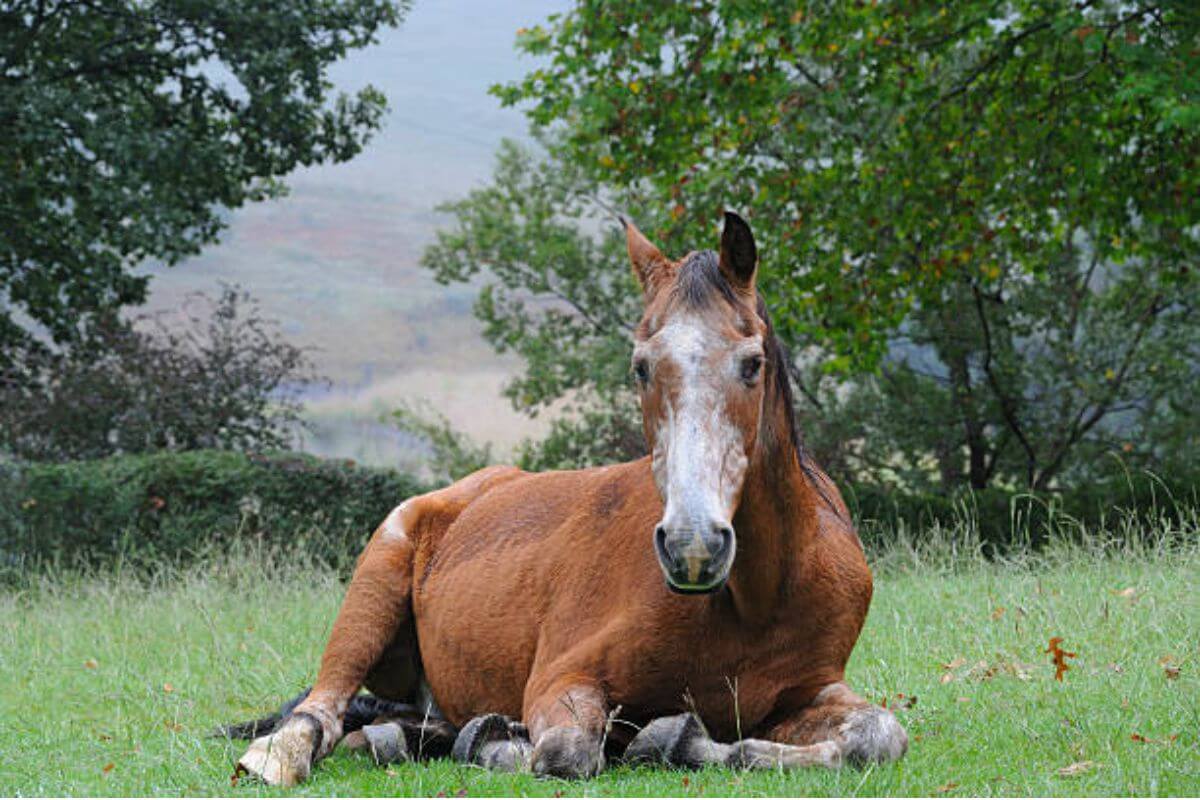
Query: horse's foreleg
column 682, row 741
column 565, row 737
column 866, row 733
column 567, row 724
column 837, row 726
column 377, row 603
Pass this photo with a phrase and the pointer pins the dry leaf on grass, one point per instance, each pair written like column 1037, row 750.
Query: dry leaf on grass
column 1128, row 593
column 1078, row 768
column 90, row 664
column 1059, row 657
column 107, row 768
column 1170, row 668
column 1137, row 737
column 947, row 787
column 168, row 688
column 998, row 612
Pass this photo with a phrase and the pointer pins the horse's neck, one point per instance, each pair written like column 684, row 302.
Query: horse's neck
column 775, row 524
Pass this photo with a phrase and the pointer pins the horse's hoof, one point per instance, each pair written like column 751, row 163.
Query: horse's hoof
column 679, row 741
column 285, row 757
column 493, row 741
column 567, row 752
column 386, row 743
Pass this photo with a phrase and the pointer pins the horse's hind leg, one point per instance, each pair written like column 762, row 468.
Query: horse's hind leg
column 378, row 605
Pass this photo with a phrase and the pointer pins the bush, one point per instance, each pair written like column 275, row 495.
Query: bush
column 1008, row 517
column 173, row 506
column 221, row 377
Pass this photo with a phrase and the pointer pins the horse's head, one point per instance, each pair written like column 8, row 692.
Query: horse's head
column 699, row 362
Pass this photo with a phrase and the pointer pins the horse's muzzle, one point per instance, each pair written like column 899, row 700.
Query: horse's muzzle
column 694, row 562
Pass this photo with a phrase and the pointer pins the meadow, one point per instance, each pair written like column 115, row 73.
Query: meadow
column 111, row 682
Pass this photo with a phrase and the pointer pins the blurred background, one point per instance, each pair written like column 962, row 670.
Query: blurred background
column 337, row 261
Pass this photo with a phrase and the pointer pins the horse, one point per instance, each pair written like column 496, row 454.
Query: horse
column 696, row 606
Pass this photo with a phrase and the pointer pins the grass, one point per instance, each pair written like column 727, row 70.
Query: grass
column 109, row 684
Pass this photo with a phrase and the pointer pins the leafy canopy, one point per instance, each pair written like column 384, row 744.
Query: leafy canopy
column 884, row 150
column 978, row 221
column 128, row 127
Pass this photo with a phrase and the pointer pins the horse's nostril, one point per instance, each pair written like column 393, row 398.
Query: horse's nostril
column 660, row 544
column 724, row 543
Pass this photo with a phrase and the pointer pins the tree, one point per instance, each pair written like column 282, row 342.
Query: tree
column 128, row 128
column 221, row 378
column 978, row 220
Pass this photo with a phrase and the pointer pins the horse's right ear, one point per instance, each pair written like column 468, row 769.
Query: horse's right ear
column 650, row 266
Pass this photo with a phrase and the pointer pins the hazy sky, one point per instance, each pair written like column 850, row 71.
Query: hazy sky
column 336, row 262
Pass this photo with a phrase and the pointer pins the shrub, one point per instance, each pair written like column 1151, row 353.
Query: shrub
column 173, row 506
column 222, row 377
column 1008, row 517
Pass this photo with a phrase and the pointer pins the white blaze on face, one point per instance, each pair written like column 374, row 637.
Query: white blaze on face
column 699, row 457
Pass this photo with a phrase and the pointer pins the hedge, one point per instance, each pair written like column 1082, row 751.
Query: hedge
column 170, row 506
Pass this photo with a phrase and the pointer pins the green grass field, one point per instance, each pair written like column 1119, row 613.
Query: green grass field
column 110, row 684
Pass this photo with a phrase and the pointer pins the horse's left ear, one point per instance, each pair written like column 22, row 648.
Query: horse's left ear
column 739, row 256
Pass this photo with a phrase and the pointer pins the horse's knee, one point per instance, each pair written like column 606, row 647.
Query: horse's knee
column 567, row 752
column 871, row 734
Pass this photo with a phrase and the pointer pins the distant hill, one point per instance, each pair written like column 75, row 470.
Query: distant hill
column 336, row 262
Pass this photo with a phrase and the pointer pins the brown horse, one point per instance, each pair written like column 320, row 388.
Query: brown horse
column 594, row 603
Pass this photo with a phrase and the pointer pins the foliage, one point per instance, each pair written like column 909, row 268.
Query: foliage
column 221, row 377
column 452, row 454
column 130, row 127
column 168, row 507
column 978, row 221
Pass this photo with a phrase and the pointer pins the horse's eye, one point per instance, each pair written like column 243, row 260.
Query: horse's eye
column 751, row 366
column 641, row 371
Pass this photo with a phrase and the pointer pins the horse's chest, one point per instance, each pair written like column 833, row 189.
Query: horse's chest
column 732, row 678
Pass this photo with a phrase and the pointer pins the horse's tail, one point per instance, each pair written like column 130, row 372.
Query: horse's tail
column 363, row 710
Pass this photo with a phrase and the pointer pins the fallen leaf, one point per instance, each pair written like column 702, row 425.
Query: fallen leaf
column 955, row 664
column 1129, row 593
column 107, row 768
column 686, row 781
column 1137, row 737
column 1059, row 657
column 1078, row 768
column 90, row 664
column 998, row 612
column 173, row 726
column 168, row 688
column 947, row 787
column 946, row 677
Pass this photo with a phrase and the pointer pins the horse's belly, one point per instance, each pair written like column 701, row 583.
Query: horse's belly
column 477, row 639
